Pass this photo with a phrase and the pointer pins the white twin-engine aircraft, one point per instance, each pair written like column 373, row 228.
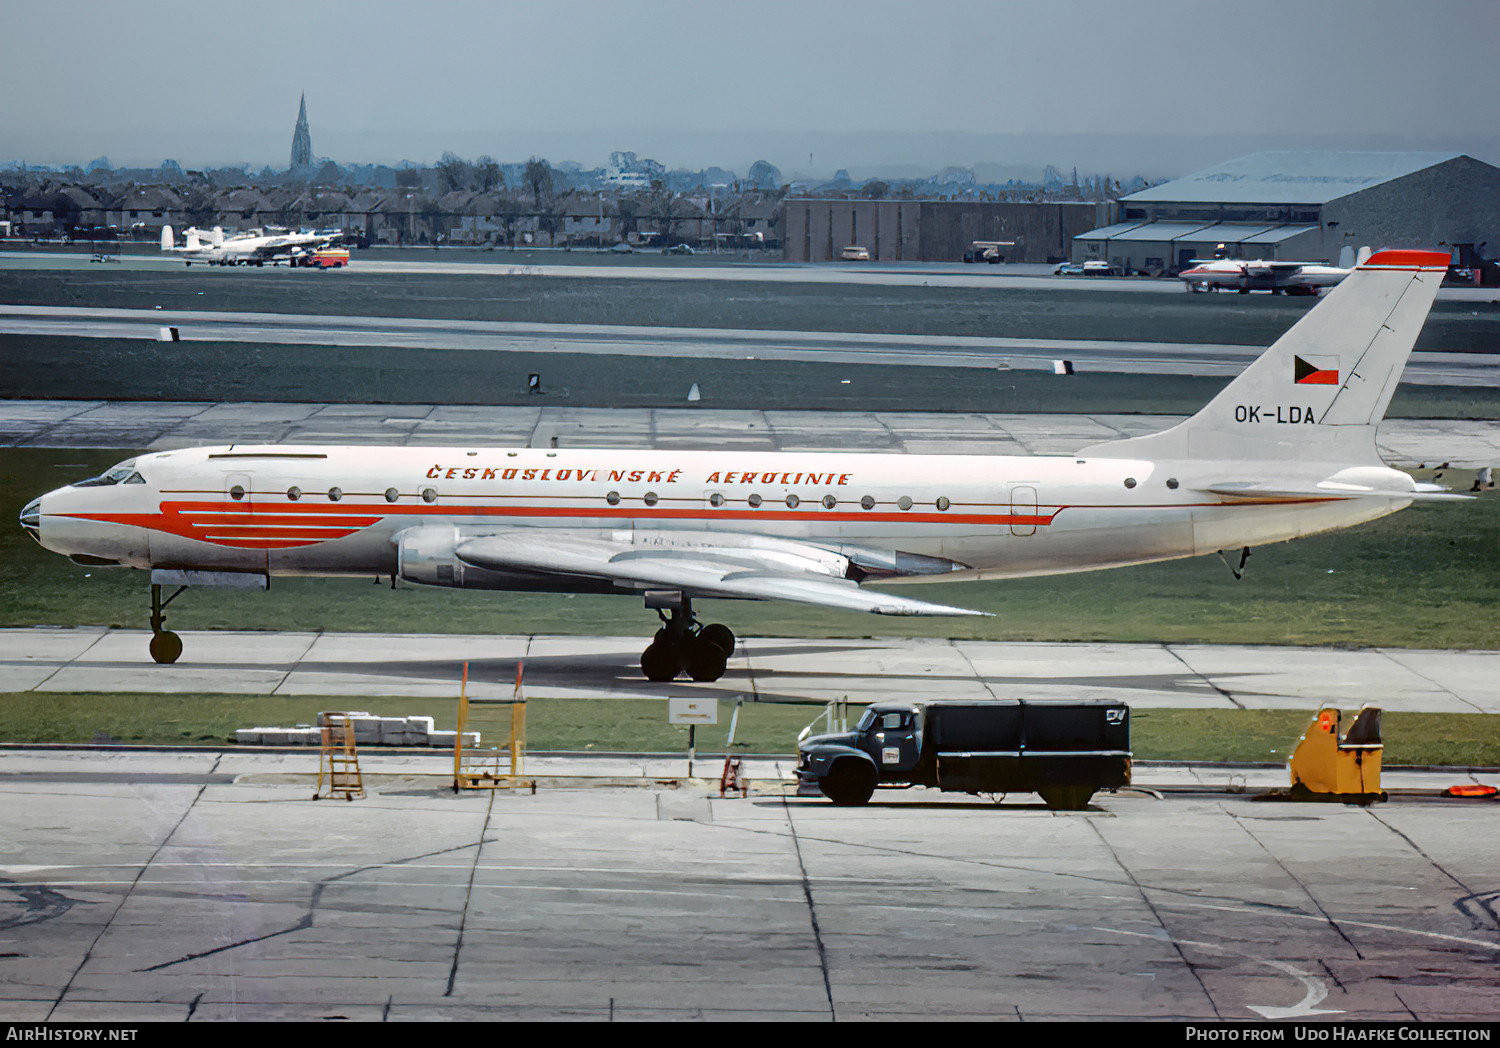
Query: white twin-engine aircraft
column 243, row 249
column 1286, row 449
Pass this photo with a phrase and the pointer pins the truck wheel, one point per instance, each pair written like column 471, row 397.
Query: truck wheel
column 849, row 783
column 1067, row 798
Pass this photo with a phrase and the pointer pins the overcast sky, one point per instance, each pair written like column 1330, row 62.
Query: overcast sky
column 811, row 85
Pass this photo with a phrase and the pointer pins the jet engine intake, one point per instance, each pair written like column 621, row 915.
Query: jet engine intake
column 429, row 556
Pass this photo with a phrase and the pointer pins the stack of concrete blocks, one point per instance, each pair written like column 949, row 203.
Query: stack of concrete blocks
column 369, row 730
column 301, row 735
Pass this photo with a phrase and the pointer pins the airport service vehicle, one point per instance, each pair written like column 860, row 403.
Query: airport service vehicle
column 1292, row 278
column 245, row 249
column 991, row 251
column 1068, row 269
column 1284, row 450
column 328, row 258
column 855, row 253
column 1064, row 751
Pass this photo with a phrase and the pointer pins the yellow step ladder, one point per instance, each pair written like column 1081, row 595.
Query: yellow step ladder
column 338, row 761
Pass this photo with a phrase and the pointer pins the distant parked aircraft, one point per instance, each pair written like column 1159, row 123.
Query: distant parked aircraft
column 1244, row 276
column 246, row 249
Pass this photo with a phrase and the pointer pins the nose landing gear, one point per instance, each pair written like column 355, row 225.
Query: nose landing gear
column 682, row 645
column 166, row 646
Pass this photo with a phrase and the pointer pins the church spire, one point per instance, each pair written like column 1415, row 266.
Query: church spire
column 302, row 139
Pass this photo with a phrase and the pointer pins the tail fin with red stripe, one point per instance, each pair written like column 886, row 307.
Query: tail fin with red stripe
column 1317, row 394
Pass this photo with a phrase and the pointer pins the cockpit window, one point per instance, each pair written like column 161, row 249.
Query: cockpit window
column 124, row 473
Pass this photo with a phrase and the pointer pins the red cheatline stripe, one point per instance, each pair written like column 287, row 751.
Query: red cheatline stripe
column 1400, row 259
column 1319, row 378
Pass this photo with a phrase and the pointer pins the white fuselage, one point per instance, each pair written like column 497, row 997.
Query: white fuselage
column 288, row 510
column 1259, row 275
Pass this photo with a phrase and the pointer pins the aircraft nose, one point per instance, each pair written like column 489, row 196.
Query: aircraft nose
column 31, row 518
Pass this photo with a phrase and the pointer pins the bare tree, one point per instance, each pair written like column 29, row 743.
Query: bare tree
column 487, row 174
column 454, row 173
column 539, row 178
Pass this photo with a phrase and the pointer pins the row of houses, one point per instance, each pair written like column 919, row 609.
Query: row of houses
column 397, row 216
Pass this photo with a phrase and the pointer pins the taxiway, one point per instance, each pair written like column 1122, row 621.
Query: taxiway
column 208, row 886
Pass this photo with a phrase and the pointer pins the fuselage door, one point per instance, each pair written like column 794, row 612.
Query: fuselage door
column 1022, row 509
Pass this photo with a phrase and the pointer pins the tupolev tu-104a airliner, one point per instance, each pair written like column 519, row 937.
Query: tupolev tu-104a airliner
column 1286, row 449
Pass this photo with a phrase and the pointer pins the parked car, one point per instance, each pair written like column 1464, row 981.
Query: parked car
column 1068, row 269
column 677, row 249
column 1098, row 269
column 621, row 248
column 855, row 253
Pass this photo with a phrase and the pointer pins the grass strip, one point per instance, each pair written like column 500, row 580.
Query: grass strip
column 639, row 725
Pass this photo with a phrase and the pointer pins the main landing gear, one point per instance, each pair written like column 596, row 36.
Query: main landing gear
column 682, row 645
column 165, row 645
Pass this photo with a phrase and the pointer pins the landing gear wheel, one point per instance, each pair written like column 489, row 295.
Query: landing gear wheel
column 719, row 636
column 661, row 662
column 166, row 646
column 705, row 659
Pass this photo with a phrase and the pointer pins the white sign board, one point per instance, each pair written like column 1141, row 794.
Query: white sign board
column 692, row 711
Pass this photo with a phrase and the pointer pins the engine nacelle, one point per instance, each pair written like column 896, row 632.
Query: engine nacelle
column 429, row 556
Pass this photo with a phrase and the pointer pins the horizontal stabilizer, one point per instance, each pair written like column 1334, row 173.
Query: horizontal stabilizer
column 1297, row 492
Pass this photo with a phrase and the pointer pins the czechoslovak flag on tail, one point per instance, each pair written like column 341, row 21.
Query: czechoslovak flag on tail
column 1315, row 371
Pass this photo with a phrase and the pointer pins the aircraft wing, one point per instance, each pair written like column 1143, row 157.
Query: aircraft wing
column 783, row 571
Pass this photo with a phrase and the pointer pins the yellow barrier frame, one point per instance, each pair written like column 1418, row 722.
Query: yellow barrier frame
column 470, row 766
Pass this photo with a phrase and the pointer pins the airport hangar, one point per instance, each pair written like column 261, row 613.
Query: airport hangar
column 1305, row 207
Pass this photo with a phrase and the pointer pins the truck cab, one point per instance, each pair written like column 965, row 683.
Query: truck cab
column 885, row 745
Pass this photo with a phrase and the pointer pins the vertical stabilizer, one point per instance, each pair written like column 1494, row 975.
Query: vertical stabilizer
column 167, row 240
column 1319, row 392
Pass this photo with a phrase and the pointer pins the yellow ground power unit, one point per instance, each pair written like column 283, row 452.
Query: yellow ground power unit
column 1327, row 767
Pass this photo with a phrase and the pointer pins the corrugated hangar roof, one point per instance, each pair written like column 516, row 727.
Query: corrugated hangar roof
column 1288, row 178
column 1197, row 232
column 1151, row 231
column 1107, row 232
